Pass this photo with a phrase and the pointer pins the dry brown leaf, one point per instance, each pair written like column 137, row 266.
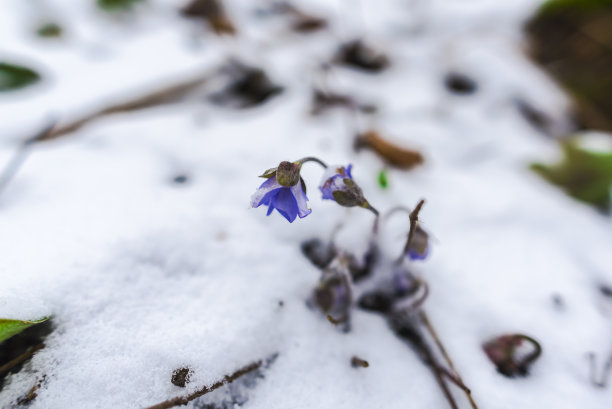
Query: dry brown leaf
column 393, row 155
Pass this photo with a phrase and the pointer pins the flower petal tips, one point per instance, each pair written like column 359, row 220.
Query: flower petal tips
column 290, row 202
column 333, row 179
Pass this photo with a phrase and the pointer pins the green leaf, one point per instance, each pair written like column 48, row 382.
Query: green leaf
column 10, row 327
column 383, row 180
column 50, row 30
column 117, row 5
column 15, row 76
column 268, row 173
column 556, row 5
column 584, row 174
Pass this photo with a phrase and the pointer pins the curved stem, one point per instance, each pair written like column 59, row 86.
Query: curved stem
column 371, row 208
column 394, row 210
column 414, row 219
column 434, row 334
column 537, row 348
column 421, row 299
column 312, row 159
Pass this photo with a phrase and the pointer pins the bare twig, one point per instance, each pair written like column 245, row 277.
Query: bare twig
column 605, row 372
column 457, row 378
column 21, row 358
column 414, row 219
column 13, row 166
column 162, row 95
column 227, row 379
column 408, row 330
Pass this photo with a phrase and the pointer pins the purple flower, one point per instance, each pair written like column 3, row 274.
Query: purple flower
column 419, row 246
column 290, row 201
column 338, row 185
column 333, row 180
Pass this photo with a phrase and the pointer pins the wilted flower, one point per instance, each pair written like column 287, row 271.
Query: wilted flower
column 503, row 352
column 337, row 184
column 419, row 246
column 333, row 294
column 284, row 191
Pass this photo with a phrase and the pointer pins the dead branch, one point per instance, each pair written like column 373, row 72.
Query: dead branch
column 227, row 379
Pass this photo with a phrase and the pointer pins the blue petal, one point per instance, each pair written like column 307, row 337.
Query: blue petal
column 333, row 179
column 261, row 196
column 414, row 255
column 286, row 204
column 301, row 200
column 270, row 209
column 336, row 182
column 348, row 171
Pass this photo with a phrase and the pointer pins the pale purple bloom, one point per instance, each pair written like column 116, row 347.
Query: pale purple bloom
column 289, row 201
column 419, row 247
column 333, row 180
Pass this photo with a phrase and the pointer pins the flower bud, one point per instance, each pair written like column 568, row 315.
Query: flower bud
column 288, row 173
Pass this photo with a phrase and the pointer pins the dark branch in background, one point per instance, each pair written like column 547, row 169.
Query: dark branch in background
column 21, row 358
column 227, row 379
column 162, row 95
column 605, row 372
column 21, row 155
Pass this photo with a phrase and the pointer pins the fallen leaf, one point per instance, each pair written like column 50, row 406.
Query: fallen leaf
column 10, row 327
column 392, row 154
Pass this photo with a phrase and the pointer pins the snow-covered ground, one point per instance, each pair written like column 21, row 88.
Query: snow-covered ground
column 143, row 275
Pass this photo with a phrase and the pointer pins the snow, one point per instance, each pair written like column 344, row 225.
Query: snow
column 143, row 276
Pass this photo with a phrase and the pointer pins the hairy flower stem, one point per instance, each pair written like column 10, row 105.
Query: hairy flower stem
column 409, row 331
column 456, row 378
column 414, row 219
column 312, row 159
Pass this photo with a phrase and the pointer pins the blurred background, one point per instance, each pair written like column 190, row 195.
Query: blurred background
column 132, row 133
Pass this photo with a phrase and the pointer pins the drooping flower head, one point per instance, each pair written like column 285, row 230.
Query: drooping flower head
column 333, row 295
column 503, row 352
column 284, row 191
column 338, row 185
column 419, row 246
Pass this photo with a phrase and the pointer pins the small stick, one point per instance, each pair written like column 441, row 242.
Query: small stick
column 227, row 379
column 11, row 169
column 414, row 219
column 16, row 361
column 425, row 320
column 603, row 382
column 438, row 373
column 158, row 96
column 412, row 335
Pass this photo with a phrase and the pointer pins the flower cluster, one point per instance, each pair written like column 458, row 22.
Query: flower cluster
column 285, row 189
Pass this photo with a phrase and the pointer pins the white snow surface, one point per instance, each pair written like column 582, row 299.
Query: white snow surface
column 143, row 276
